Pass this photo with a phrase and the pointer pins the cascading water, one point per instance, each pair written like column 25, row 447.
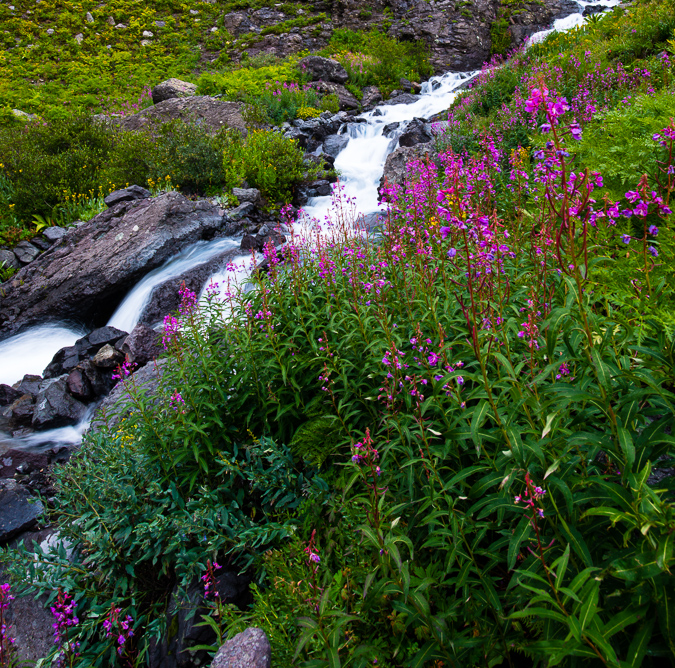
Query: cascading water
column 361, row 163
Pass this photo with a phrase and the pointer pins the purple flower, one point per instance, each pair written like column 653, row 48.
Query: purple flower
column 642, row 209
column 632, row 196
column 432, row 359
column 625, row 238
column 452, row 252
column 575, row 131
column 653, row 251
column 445, row 231
column 653, row 230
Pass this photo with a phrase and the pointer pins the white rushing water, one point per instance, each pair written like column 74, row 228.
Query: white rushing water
column 128, row 313
column 570, row 21
column 360, row 163
column 31, row 351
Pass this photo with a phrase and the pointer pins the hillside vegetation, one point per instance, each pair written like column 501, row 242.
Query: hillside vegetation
column 450, row 444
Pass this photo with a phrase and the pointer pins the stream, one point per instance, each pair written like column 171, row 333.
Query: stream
column 360, row 163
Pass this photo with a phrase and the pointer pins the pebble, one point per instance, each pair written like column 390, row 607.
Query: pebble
column 50, row 31
column 88, row 17
column 79, row 37
column 147, row 33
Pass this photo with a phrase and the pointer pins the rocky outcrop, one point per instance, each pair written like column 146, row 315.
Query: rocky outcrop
column 17, row 513
column 213, row 113
column 87, row 273
column 395, row 167
column 346, row 99
column 248, row 649
column 171, row 88
column 417, row 131
column 323, row 69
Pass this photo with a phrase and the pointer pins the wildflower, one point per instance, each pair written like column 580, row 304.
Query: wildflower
column 653, row 230
column 452, row 252
column 575, row 131
column 653, row 251
column 432, row 359
column 625, row 238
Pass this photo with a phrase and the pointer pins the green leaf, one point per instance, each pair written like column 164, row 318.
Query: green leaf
column 479, row 415
column 665, row 607
column 590, row 604
column 638, row 648
column 522, row 530
column 539, row 612
column 626, row 445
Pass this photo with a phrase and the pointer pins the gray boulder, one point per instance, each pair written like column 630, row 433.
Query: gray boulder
column 247, row 195
column 390, row 129
column 8, row 259
column 402, row 98
column 107, row 358
column 213, row 113
column 18, row 414
column 8, row 395
column 93, row 270
column 244, row 209
column 248, row 649
column 127, row 195
column 334, row 144
column 26, row 252
column 346, row 99
column 17, row 513
column 371, row 97
column 54, row 233
column 171, row 88
column 323, row 69
column 416, row 132
column 54, row 407
column 589, row 10
column 142, row 345
column 395, row 166
column 29, row 384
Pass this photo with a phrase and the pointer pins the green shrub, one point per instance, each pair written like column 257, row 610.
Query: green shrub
column 500, row 36
column 268, row 161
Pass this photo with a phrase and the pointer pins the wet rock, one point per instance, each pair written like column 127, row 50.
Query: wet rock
column 17, row 513
column 87, row 276
column 323, row 69
column 320, row 188
column 8, row 395
column 334, row 144
column 244, row 209
column 416, row 132
column 40, row 244
column 26, row 252
column 127, row 195
column 410, row 86
column 589, row 10
column 29, row 384
column 390, row 129
column 248, row 649
column 8, row 259
column 395, row 165
column 29, row 622
column 297, row 135
column 371, row 97
column 18, row 414
column 63, row 361
column 403, row 98
column 213, row 113
column 247, row 195
column 54, row 407
column 22, row 462
column 78, row 385
column 99, row 337
column 171, row 88
column 250, row 242
column 108, row 358
column 142, row 345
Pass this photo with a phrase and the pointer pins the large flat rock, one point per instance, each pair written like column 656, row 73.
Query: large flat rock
column 87, row 273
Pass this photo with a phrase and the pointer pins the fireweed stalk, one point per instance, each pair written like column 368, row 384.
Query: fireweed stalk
column 63, row 611
column 121, row 630
column 7, row 649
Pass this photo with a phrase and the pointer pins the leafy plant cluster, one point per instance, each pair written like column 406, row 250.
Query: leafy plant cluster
column 375, row 59
column 79, row 161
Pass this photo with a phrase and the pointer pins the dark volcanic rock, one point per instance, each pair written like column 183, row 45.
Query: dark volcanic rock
column 589, row 10
column 26, row 252
column 142, row 345
column 213, row 113
column 18, row 414
column 395, row 165
column 323, row 69
column 403, row 98
column 390, row 129
column 79, row 386
column 53, row 234
column 8, row 259
column 247, row 195
column 127, row 195
column 29, row 384
column 17, row 513
column 54, row 407
column 334, row 144
column 8, row 395
column 416, row 132
column 88, row 275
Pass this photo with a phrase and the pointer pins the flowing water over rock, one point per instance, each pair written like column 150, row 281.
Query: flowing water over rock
column 360, row 162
